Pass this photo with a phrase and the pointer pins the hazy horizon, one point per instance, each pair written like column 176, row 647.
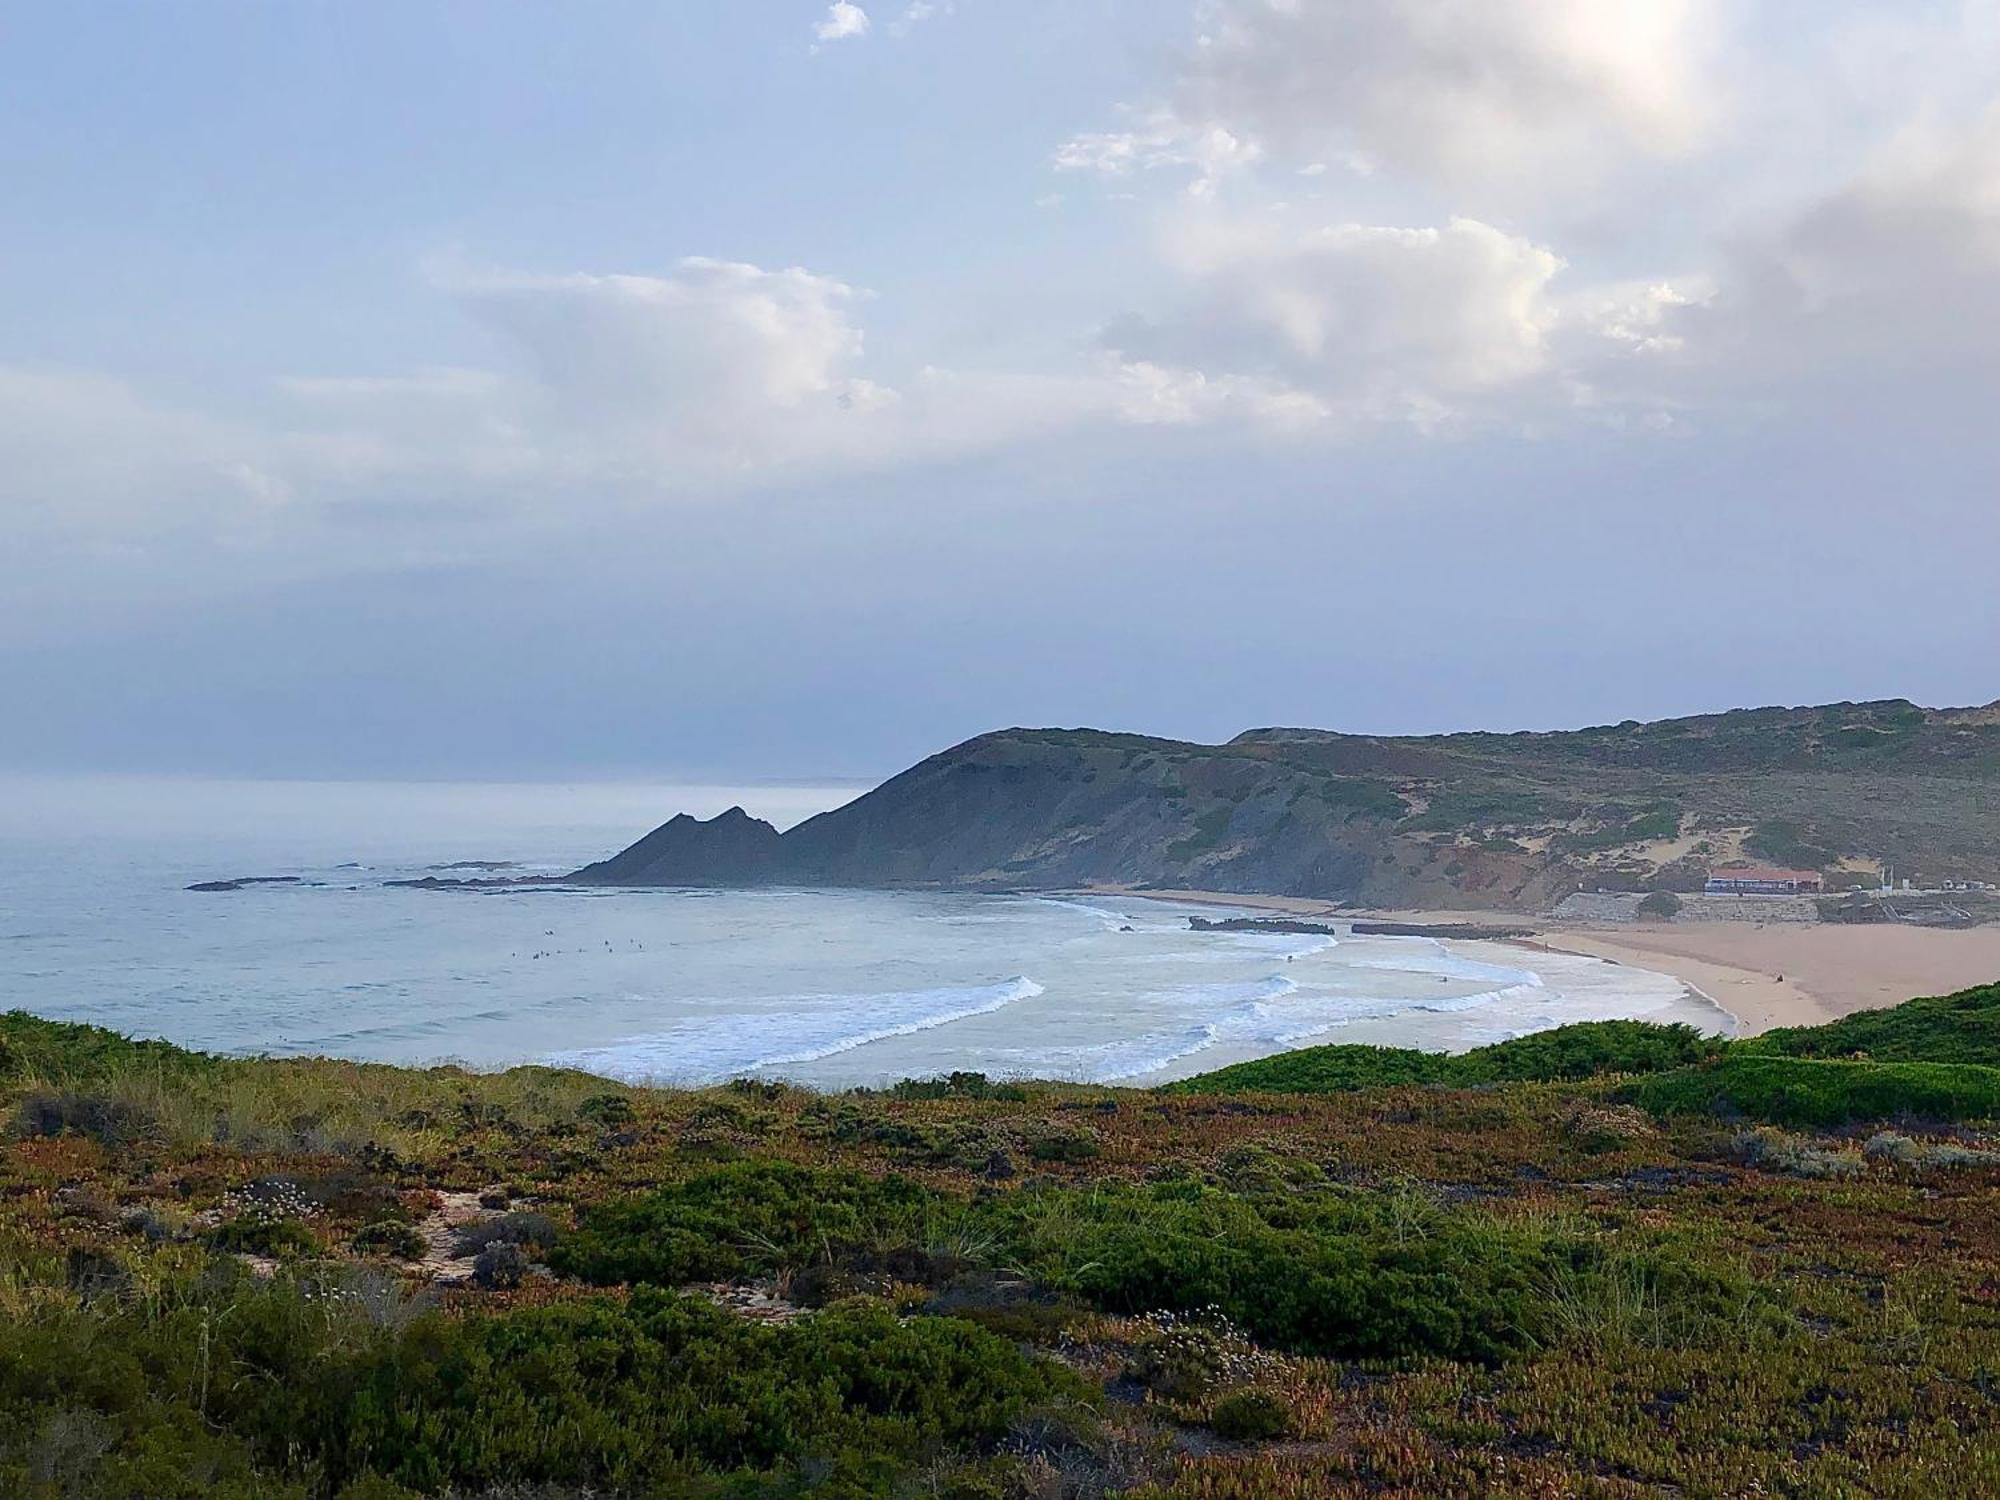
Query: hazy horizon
column 783, row 392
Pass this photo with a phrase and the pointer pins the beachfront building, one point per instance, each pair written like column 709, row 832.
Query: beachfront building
column 1761, row 882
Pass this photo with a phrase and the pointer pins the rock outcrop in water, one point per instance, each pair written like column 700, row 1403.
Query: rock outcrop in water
column 731, row 848
column 1511, row 822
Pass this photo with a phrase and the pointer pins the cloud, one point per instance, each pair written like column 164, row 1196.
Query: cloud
column 842, row 22
column 1906, row 253
column 1352, row 321
column 88, row 451
column 1455, row 90
column 1160, row 139
column 1883, row 289
column 916, row 14
column 712, row 353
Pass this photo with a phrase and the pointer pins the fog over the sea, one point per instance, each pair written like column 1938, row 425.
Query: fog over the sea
column 724, row 390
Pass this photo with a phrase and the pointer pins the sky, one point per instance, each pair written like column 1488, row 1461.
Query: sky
column 714, row 389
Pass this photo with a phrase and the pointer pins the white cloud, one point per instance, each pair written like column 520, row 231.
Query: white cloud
column 1460, row 90
column 705, row 346
column 1353, row 321
column 1160, row 139
column 842, row 22
column 698, row 381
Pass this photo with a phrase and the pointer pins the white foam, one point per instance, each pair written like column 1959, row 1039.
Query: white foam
column 1449, row 1003
column 729, row 1046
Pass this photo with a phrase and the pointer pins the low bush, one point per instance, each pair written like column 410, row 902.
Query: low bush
column 1070, row 1146
column 1904, row 1151
column 1319, row 1270
column 108, row 1121
column 1960, row 1028
column 1322, row 1070
column 1251, row 1416
column 1330, row 1272
column 1774, row 1151
column 75, row 1055
column 959, row 1086
column 251, row 1234
column 748, row 1218
column 1662, row 904
column 1586, row 1049
column 500, row 1267
column 255, row 1392
column 390, row 1238
column 1820, row 1092
column 519, row 1228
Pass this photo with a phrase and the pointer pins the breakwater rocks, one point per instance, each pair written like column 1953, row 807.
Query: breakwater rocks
column 1469, row 932
column 1464, row 931
column 1260, row 924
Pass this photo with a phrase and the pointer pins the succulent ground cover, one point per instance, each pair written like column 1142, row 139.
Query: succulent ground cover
column 1599, row 1262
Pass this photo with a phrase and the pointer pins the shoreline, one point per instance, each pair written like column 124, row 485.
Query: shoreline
column 1761, row 975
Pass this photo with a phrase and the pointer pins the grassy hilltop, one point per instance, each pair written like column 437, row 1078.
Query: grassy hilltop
column 1615, row 1259
column 1512, row 821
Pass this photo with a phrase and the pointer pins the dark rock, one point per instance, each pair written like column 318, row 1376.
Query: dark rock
column 731, row 848
column 1464, row 931
column 1260, row 924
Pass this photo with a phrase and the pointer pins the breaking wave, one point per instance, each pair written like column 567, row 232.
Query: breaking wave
column 728, row 1046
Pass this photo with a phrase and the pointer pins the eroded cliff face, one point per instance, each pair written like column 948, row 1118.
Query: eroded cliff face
column 1510, row 822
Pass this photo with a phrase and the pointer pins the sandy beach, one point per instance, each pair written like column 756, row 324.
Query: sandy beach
column 1765, row 975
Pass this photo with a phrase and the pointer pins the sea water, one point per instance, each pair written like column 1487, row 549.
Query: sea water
column 833, row 988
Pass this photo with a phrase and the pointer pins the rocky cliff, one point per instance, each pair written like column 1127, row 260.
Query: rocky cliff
column 1476, row 820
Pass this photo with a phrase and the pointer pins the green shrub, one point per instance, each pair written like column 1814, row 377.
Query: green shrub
column 1960, row 1028
column 958, row 1086
column 108, row 1121
column 1325, row 1271
column 1251, row 1416
column 251, row 1234
column 1813, row 1091
column 1322, row 1070
column 256, row 1392
column 608, row 1110
column 1588, row 1049
column 63, row 1052
column 387, row 1237
column 1064, row 1146
column 1317, row 1269
column 743, row 1219
column 1791, row 844
column 1585, row 1049
column 1664, row 904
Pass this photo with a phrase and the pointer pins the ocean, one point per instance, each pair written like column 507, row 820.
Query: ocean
column 831, row 988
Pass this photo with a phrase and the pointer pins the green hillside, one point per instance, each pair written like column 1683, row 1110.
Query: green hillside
column 1504, row 821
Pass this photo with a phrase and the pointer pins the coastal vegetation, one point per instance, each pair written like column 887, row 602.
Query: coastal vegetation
column 1612, row 1259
